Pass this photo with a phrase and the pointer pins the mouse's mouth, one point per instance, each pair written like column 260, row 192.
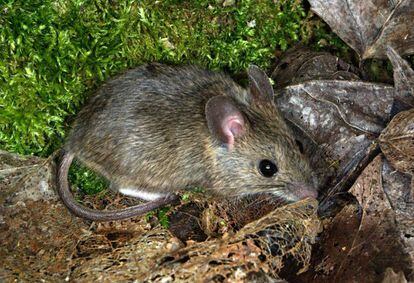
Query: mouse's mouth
column 284, row 195
column 292, row 192
column 297, row 191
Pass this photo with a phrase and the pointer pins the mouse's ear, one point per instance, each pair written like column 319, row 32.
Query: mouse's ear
column 225, row 121
column 259, row 83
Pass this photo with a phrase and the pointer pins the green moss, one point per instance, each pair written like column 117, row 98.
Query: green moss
column 162, row 216
column 87, row 181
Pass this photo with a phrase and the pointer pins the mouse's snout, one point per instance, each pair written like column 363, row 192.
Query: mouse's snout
column 302, row 190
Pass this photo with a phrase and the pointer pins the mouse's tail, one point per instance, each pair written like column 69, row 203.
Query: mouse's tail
column 80, row 210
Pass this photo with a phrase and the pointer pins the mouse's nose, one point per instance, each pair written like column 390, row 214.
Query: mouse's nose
column 302, row 190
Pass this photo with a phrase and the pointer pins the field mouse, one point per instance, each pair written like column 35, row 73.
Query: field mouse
column 157, row 129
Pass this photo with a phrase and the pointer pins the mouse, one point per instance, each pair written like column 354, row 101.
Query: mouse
column 157, row 129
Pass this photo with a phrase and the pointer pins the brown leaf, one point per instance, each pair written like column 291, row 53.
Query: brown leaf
column 378, row 223
column 403, row 74
column 399, row 188
column 336, row 120
column 300, row 64
column 397, row 142
column 362, row 240
column 342, row 100
column 369, row 26
column 403, row 82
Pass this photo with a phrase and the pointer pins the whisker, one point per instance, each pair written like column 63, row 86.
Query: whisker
column 244, row 186
column 267, row 199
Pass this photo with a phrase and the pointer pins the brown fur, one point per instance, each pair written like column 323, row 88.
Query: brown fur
column 147, row 129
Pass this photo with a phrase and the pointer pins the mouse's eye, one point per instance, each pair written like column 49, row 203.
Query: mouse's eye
column 267, row 168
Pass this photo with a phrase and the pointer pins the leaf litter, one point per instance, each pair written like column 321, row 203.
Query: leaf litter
column 369, row 26
column 42, row 241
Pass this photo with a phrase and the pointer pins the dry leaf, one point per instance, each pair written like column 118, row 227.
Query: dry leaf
column 397, row 142
column 339, row 121
column 336, row 121
column 400, row 193
column 257, row 252
column 403, row 82
column 369, row 26
column 403, row 75
column 362, row 240
column 323, row 106
column 300, row 64
column 345, row 117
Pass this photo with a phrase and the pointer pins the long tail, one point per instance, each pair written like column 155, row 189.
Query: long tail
column 98, row 215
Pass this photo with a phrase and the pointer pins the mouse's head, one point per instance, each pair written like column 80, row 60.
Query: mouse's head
column 254, row 151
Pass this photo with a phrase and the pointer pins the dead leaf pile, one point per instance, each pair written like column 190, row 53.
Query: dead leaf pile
column 342, row 123
column 369, row 26
column 339, row 121
column 42, row 241
column 258, row 250
column 371, row 238
column 362, row 241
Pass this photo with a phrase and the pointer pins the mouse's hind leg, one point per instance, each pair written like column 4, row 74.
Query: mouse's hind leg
column 140, row 193
column 133, row 191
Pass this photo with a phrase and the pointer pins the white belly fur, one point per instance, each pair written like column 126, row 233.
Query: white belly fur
column 132, row 192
